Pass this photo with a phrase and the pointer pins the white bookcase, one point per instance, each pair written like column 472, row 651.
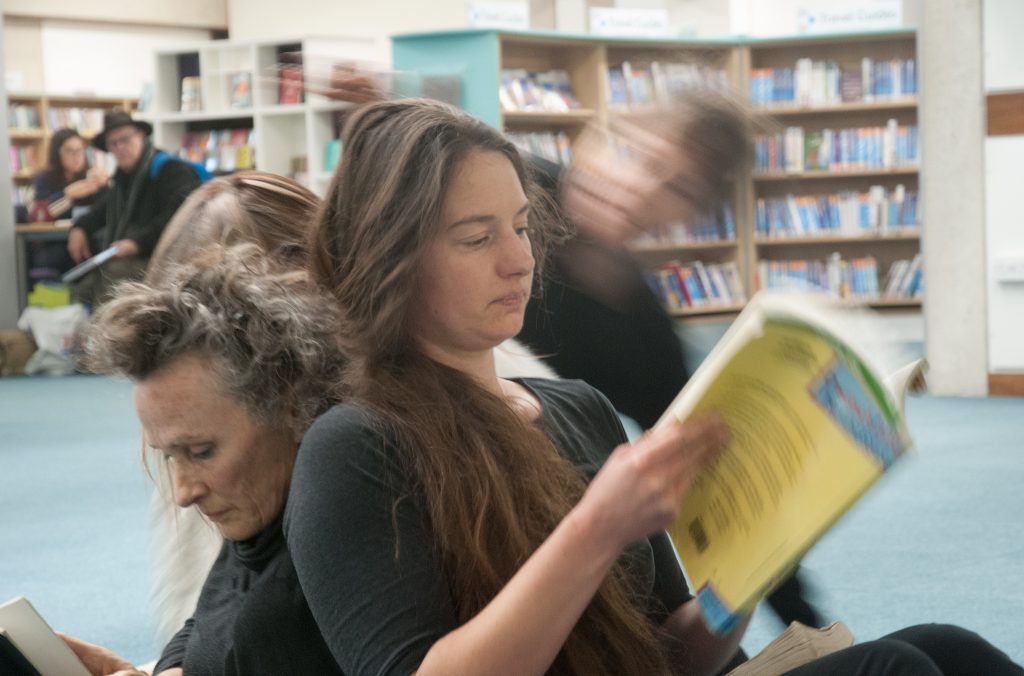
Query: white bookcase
column 283, row 132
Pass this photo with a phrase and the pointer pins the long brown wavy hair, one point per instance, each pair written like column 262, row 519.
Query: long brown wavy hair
column 495, row 486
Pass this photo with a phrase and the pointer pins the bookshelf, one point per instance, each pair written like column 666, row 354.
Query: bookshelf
column 606, row 75
column 495, row 65
column 229, row 105
column 32, row 119
column 851, row 193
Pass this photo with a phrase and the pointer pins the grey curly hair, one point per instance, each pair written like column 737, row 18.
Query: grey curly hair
column 269, row 331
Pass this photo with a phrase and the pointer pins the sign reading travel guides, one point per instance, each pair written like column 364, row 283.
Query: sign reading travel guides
column 813, row 425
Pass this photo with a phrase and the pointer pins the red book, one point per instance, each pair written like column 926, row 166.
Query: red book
column 291, row 85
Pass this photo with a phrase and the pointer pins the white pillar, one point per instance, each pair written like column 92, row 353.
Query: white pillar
column 8, row 261
column 952, row 126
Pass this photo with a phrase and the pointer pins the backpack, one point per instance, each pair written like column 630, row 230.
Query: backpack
column 161, row 157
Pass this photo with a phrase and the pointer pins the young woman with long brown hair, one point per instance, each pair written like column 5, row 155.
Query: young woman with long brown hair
column 444, row 520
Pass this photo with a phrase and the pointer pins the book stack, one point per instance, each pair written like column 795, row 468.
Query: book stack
column 852, row 213
column 717, row 226
column 191, row 98
column 552, row 146
column 23, row 160
column 23, row 118
column 854, row 279
column 813, row 83
column 22, row 195
column 905, row 279
column 541, row 91
column 241, row 90
column 796, row 149
column 290, row 89
column 631, row 85
column 220, row 151
column 682, row 287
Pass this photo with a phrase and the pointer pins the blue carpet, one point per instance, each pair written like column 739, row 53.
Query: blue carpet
column 940, row 539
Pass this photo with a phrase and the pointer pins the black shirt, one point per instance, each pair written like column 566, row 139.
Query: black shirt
column 251, row 617
column 615, row 335
column 380, row 610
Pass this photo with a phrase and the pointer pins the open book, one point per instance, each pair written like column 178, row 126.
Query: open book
column 29, row 646
column 813, row 425
column 795, row 647
column 88, row 265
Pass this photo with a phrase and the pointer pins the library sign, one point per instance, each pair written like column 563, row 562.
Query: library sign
column 862, row 16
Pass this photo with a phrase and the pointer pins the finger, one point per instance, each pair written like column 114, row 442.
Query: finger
column 681, row 444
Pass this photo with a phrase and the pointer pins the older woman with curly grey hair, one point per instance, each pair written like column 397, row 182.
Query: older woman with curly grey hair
column 232, row 357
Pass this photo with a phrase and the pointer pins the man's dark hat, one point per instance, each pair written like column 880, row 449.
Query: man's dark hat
column 115, row 120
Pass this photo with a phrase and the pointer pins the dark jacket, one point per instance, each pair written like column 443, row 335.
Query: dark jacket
column 156, row 203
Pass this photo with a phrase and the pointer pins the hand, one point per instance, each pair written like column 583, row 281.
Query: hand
column 80, row 189
column 98, row 660
column 78, row 245
column 640, row 488
column 348, row 83
column 98, row 175
column 126, row 248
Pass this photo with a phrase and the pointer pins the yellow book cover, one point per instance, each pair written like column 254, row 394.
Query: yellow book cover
column 813, row 425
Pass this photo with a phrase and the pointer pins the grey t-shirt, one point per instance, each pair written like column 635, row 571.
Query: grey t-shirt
column 380, row 612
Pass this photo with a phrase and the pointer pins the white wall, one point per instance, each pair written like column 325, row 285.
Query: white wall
column 193, row 13
column 105, row 59
column 1003, row 24
column 273, row 19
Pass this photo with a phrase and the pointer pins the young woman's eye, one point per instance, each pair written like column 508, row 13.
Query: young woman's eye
column 522, row 231
column 478, row 242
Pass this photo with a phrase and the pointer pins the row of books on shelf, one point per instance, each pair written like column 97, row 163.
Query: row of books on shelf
column 632, row 85
column 682, row 287
column 823, row 83
column 717, row 226
column 85, row 120
column 796, row 149
column 854, row 279
column 23, row 117
column 220, row 150
column 539, row 91
column 876, row 211
column 22, row 195
column 553, row 147
column 23, row 159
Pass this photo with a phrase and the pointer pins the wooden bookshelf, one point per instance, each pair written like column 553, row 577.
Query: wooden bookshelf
column 480, row 56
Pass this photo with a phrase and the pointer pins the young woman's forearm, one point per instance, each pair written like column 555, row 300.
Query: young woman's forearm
column 522, row 629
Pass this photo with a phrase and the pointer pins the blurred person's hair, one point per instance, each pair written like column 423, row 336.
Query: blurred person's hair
column 54, row 168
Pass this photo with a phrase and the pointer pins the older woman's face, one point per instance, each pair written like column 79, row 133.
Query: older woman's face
column 233, row 468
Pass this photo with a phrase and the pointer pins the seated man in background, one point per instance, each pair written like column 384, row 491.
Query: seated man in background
column 141, row 201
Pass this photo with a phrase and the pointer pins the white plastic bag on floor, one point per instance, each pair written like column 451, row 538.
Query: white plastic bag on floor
column 54, row 331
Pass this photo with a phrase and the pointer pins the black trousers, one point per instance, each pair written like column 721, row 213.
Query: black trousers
column 925, row 649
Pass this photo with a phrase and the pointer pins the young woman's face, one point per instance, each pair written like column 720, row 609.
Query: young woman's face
column 477, row 273
column 72, row 155
column 233, row 468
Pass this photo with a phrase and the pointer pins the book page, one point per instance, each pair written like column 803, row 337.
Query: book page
column 812, row 429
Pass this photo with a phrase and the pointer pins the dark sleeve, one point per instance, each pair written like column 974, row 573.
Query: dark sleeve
column 174, row 652
column 380, row 603
column 174, row 182
column 96, row 218
column 43, row 190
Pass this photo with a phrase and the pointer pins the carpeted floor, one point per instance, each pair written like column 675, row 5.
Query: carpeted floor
column 938, row 540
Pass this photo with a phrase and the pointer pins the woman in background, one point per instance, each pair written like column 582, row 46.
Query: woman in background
column 66, row 185
column 67, row 182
